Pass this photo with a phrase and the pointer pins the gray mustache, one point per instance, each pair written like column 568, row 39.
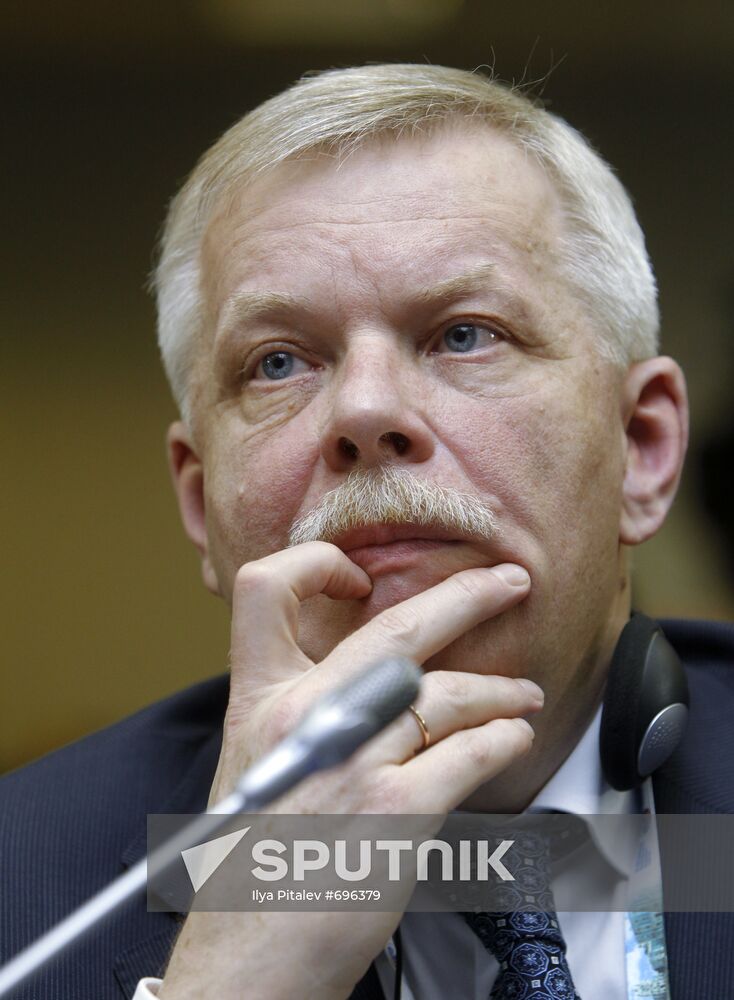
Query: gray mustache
column 390, row 495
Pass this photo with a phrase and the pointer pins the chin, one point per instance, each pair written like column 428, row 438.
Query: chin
column 496, row 647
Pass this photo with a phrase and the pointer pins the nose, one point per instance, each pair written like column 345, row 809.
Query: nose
column 375, row 411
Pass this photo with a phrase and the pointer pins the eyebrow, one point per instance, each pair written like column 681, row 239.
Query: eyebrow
column 471, row 281
column 248, row 307
column 483, row 277
column 244, row 308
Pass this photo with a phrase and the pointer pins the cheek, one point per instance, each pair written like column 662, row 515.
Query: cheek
column 254, row 488
column 553, row 465
column 551, row 456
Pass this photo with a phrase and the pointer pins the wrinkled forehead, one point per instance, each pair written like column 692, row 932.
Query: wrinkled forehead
column 459, row 174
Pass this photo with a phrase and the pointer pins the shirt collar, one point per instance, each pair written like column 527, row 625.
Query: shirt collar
column 579, row 787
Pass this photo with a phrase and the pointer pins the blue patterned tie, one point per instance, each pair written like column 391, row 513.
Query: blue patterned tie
column 527, row 942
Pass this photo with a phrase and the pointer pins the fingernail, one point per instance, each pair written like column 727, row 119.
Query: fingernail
column 532, row 689
column 513, row 575
column 525, row 726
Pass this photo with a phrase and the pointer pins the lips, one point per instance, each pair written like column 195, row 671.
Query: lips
column 390, row 548
column 386, row 534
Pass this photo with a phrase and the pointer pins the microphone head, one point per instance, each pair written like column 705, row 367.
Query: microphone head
column 357, row 710
column 383, row 690
column 337, row 725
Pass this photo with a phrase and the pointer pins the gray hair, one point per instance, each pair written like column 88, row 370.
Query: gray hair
column 603, row 254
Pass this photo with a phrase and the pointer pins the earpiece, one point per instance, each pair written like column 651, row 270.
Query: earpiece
column 645, row 704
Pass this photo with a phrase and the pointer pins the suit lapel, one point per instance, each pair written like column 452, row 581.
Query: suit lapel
column 156, row 932
column 698, row 944
column 697, row 779
column 146, row 958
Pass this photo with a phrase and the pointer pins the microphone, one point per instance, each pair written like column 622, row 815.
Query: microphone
column 330, row 732
column 333, row 729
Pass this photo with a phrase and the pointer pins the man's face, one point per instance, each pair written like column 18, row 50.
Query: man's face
column 406, row 307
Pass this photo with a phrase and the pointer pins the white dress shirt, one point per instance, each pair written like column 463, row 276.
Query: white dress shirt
column 443, row 957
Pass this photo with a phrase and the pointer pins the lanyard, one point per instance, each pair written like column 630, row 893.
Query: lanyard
column 646, row 956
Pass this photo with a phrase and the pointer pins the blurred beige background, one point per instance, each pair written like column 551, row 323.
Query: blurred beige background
column 106, row 108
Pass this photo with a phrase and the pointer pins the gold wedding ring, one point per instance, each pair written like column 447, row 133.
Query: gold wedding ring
column 422, row 726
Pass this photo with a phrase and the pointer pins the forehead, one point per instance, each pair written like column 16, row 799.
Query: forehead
column 410, row 203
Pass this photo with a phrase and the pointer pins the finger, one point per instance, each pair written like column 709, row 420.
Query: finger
column 446, row 774
column 451, row 701
column 267, row 596
column 424, row 624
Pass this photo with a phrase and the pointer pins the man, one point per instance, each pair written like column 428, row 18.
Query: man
column 411, row 327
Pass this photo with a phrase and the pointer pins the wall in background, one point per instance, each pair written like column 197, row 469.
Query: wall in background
column 103, row 608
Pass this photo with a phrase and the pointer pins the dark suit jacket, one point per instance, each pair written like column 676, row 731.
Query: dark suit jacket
column 74, row 820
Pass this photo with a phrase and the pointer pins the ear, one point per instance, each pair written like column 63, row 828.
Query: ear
column 655, row 415
column 187, row 472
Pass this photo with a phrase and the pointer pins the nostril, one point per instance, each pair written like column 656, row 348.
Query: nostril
column 399, row 441
column 348, row 447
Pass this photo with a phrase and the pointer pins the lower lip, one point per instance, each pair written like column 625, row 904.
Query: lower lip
column 393, row 556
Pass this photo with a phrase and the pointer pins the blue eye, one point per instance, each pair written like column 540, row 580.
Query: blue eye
column 279, row 365
column 464, row 337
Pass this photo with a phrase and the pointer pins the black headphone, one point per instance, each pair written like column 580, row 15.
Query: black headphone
column 645, row 704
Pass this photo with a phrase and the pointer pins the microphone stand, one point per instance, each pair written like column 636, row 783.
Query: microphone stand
column 329, row 734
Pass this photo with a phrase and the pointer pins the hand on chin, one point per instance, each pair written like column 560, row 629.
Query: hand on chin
column 403, row 569
column 396, row 575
